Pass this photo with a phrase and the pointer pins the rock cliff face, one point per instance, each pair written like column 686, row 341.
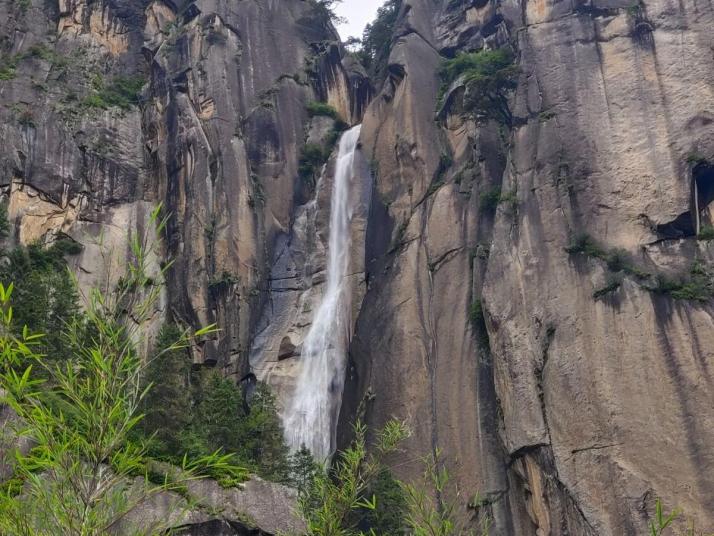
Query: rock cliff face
column 568, row 387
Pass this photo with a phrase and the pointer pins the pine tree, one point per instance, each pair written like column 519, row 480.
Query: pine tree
column 167, row 407
column 262, row 436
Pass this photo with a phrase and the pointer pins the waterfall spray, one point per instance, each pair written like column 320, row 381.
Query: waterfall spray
column 310, row 418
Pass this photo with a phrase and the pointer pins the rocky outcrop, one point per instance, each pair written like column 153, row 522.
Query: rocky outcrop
column 574, row 413
column 257, row 508
column 568, row 387
column 212, row 131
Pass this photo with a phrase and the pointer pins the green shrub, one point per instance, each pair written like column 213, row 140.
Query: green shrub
column 196, row 412
column 335, row 502
column 490, row 199
column 7, row 67
column 431, row 513
column 5, row 226
column 694, row 158
column 706, row 233
column 303, row 469
column 316, row 108
column 223, row 280
column 80, row 477
column 696, row 287
column 611, row 285
column 585, row 244
column 488, row 77
column 390, row 514
column 41, row 51
column 324, row 10
column 377, row 40
column 617, row 260
column 123, row 92
column 167, row 406
column 46, row 300
column 312, row 158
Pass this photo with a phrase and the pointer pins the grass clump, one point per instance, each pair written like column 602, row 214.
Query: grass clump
column 617, row 260
column 122, row 92
column 694, row 158
column 489, row 76
column 8, row 64
column 706, row 233
column 314, row 155
column 698, row 285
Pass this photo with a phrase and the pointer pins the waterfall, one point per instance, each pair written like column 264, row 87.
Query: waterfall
column 310, row 418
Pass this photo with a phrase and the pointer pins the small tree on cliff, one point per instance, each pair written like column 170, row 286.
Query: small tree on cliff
column 488, row 76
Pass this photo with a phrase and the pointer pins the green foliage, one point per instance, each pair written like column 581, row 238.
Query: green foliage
column 8, row 64
column 316, row 108
column 79, row 478
column 389, row 514
column 193, row 413
column 303, row 469
column 312, row 158
column 611, row 285
column 41, row 51
column 697, row 286
column 223, row 280
column 706, row 233
column 167, row 404
column 478, row 323
column 45, row 293
column 694, row 158
column 377, row 40
column 325, row 10
column 122, row 92
column 584, row 243
column 490, row 199
column 5, row 227
column 429, row 513
column 617, row 260
column 488, row 77
column 24, row 5
column 662, row 523
column 262, row 443
column 330, row 506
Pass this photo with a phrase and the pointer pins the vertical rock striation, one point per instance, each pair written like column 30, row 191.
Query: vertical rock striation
column 532, row 297
column 576, row 408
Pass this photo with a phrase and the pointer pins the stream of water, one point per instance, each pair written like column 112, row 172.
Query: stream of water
column 310, row 419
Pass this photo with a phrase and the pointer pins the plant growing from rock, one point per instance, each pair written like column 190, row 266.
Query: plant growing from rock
column 79, row 479
column 429, row 512
column 377, row 39
column 488, row 78
column 337, row 494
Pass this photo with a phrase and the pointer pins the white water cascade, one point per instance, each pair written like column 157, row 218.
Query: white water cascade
column 310, row 418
